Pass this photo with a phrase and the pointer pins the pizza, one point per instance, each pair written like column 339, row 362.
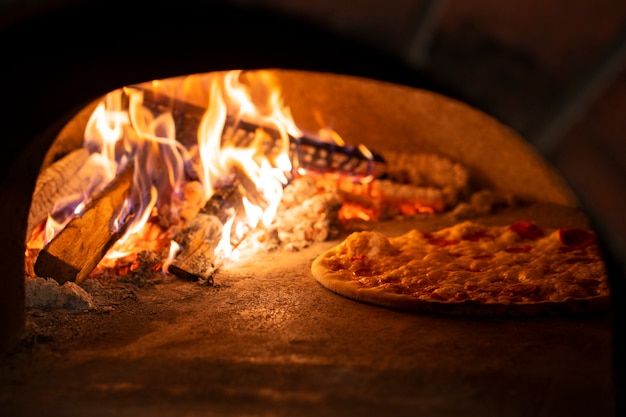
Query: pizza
column 470, row 268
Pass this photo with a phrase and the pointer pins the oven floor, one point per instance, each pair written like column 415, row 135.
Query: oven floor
column 279, row 344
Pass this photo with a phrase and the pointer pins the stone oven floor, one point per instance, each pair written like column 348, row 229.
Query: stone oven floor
column 268, row 340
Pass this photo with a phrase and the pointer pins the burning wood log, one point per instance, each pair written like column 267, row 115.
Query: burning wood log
column 310, row 153
column 60, row 179
column 197, row 260
column 76, row 250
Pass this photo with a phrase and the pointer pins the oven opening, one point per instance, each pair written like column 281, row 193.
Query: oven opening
column 219, row 189
column 179, row 176
column 165, row 256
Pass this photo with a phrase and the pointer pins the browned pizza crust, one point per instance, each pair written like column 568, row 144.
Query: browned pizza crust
column 569, row 288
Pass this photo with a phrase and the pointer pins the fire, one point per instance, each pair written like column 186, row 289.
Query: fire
column 192, row 166
column 134, row 128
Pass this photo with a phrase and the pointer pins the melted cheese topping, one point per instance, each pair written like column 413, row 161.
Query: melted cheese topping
column 469, row 261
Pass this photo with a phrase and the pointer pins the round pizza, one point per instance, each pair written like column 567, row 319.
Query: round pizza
column 471, row 269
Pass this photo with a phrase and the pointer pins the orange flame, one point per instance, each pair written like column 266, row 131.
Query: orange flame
column 124, row 129
column 261, row 162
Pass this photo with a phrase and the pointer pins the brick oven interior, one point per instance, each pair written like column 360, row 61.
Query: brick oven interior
column 554, row 71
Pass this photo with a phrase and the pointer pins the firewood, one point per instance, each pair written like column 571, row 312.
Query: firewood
column 76, row 250
column 197, row 260
column 60, row 179
column 312, row 153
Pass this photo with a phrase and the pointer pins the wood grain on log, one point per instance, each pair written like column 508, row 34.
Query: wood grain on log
column 76, row 250
column 60, row 179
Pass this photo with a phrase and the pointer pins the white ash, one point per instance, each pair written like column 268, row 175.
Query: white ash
column 315, row 220
column 298, row 191
column 306, row 214
column 48, row 294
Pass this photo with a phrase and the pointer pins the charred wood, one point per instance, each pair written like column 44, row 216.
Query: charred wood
column 76, row 250
column 308, row 152
column 197, row 260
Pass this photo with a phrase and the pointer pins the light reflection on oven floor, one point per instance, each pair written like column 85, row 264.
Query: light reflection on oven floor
column 280, row 344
